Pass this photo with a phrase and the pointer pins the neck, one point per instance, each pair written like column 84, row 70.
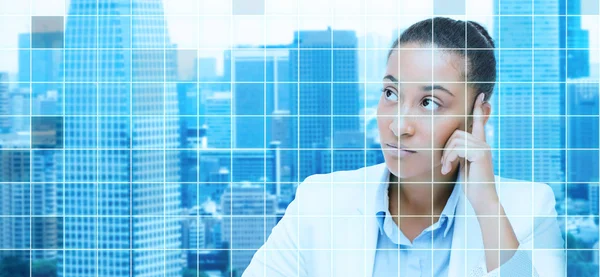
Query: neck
column 421, row 194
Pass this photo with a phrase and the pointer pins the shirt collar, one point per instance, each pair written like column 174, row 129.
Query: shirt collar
column 449, row 211
column 382, row 200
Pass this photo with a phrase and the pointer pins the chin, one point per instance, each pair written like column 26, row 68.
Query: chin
column 407, row 168
column 392, row 165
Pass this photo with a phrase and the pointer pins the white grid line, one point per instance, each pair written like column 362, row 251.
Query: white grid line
column 464, row 169
column 265, row 136
column 365, row 149
column 264, row 142
column 164, row 173
column 331, row 126
column 63, row 149
column 256, row 49
column 566, row 145
column 412, row 15
column 299, row 216
column 131, row 179
column 30, row 141
column 597, row 185
column 532, row 128
column 432, row 141
column 199, row 145
column 334, row 182
column 98, row 137
column 232, row 138
column 297, row 42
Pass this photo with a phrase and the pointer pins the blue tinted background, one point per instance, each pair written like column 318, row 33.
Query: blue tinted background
column 151, row 138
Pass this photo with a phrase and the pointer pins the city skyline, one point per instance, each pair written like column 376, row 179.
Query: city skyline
column 106, row 147
column 275, row 28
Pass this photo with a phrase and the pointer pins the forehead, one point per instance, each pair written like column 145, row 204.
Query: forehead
column 421, row 63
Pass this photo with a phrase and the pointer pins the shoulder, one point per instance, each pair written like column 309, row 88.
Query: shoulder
column 340, row 190
column 520, row 197
column 530, row 207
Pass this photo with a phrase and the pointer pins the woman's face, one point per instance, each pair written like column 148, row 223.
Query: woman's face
column 424, row 100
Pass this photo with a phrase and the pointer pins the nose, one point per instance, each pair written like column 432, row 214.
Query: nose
column 402, row 125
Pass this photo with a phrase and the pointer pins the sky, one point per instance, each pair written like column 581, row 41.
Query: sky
column 218, row 29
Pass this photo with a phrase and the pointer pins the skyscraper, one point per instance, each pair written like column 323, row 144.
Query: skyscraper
column 248, row 217
column 325, row 65
column 529, row 93
column 594, row 198
column 122, row 195
column 41, row 53
column 260, row 81
column 217, row 116
column 5, row 109
column 577, row 58
column 15, row 168
column 582, row 153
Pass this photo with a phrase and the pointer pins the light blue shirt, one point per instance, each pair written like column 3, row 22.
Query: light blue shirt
column 427, row 255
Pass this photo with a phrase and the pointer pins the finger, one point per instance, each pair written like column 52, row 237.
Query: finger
column 451, row 141
column 478, row 122
column 459, row 137
column 451, row 146
column 449, row 158
column 447, row 165
column 456, row 152
column 448, row 147
column 445, row 153
column 461, row 164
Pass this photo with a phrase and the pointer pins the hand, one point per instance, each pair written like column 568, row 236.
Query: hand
column 476, row 160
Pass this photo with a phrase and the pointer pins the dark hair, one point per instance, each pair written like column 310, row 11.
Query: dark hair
column 450, row 33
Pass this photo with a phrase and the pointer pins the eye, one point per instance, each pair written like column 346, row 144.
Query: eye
column 428, row 102
column 388, row 92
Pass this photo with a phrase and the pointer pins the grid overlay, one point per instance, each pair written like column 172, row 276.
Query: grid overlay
column 238, row 214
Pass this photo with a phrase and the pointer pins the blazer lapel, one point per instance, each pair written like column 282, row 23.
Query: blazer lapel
column 467, row 241
column 372, row 230
column 353, row 249
column 375, row 176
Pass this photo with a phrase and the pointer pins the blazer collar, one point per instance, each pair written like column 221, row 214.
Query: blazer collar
column 378, row 174
column 375, row 175
column 467, row 242
column 448, row 212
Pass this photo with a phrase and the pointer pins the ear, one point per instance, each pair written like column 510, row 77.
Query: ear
column 487, row 110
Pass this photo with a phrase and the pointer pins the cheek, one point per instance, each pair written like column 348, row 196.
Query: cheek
column 383, row 123
column 383, row 118
column 443, row 132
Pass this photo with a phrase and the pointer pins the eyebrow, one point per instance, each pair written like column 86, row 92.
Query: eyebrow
column 426, row 88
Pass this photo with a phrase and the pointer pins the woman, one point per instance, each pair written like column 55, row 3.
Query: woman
column 435, row 207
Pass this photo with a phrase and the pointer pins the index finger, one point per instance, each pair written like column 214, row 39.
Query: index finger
column 478, row 121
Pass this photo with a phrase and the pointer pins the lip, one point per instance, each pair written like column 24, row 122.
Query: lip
column 394, row 151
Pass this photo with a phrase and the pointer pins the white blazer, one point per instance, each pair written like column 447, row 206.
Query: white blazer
column 330, row 229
